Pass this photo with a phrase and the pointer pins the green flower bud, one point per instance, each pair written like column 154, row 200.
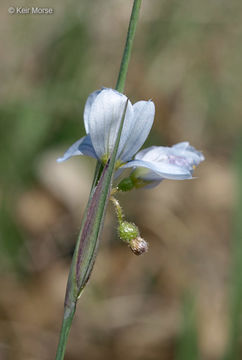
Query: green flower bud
column 127, row 231
column 139, row 246
column 126, row 184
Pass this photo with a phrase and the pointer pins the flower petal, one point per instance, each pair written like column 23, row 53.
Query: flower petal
column 181, row 154
column 176, row 162
column 82, row 146
column 91, row 98
column 159, row 170
column 144, row 112
column 104, row 120
column 185, row 149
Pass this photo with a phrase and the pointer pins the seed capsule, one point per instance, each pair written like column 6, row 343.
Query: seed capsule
column 139, row 246
column 128, row 231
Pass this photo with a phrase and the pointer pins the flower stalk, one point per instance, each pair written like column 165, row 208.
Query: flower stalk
column 84, row 256
column 128, row 46
column 118, row 209
column 87, row 243
column 129, row 232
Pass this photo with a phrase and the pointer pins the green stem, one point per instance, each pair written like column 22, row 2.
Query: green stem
column 69, row 310
column 125, row 60
column 65, row 329
column 128, row 46
column 126, row 57
column 118, row 209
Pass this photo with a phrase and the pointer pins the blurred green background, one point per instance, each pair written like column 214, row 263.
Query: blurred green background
column 183, row 299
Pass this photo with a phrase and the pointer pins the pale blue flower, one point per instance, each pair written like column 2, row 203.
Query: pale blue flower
column 158, row 162
column 102, row 116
